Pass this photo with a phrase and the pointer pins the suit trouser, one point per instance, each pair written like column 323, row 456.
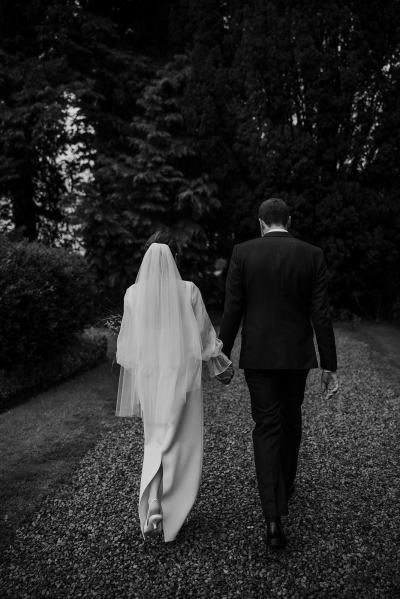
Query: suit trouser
column 276, row 398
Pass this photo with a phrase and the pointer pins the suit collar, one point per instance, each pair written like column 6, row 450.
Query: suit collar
column 277, row 234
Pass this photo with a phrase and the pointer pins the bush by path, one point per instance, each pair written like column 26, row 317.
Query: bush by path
column 343, row 526
column 46, row 296
column 21, row 381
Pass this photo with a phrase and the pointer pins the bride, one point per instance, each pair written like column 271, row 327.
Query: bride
column 165, row 335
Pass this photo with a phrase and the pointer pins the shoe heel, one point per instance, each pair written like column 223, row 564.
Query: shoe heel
column 153, row 525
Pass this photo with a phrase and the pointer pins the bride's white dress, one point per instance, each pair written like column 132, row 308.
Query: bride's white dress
column 178, row 445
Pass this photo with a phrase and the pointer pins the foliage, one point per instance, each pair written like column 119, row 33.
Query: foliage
column 37, row 161
column 112, row 323
column 47, row 295
column 190, row 114
column 301, row 100
column 159, row 183
column 23, row 379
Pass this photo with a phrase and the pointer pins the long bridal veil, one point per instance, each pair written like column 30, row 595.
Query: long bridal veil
column 158, row 346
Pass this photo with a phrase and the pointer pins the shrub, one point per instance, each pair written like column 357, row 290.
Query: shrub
column 46, row 296
column 23, row 380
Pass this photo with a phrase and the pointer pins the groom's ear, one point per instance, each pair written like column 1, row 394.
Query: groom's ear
column 289, row 222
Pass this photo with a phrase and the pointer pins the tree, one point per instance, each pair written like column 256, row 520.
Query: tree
column 32, row 111
column 158, row 183
column 298, row 106
column 185, row 111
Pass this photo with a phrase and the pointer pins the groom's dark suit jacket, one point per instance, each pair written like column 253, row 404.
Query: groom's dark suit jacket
column 278, row 284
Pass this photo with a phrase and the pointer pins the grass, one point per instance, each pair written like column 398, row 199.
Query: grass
column 43, row 439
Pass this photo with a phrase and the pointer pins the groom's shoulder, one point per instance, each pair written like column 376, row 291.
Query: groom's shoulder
column 258, row 244
column 247, row 245
column 307, row 245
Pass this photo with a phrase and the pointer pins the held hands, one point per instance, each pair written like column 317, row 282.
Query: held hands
column 329, row 383
column 226, row 376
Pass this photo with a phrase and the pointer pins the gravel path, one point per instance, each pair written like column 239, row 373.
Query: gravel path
column 343, row 526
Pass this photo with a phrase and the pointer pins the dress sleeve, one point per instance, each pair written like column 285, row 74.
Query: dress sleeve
column 211, row 346
column 122, row 355
column 128, row 402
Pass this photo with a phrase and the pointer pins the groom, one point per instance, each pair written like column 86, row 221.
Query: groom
column 278, row 285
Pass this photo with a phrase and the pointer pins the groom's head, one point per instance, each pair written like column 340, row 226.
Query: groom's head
column 273, row 212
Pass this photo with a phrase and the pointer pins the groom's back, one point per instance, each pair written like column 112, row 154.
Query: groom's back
column 278, row 274
column 278, row 269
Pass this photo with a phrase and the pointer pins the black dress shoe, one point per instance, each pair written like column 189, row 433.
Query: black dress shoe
column 276, row 538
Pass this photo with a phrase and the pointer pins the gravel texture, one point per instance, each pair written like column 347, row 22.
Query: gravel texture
column 343, row 526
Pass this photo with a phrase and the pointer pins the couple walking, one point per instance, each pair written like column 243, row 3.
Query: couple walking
column 277, row 285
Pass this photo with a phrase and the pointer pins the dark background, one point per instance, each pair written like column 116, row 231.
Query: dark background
column 117, row 117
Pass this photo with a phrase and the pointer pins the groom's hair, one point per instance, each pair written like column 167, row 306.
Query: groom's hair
column 166, row 236
column 274, row 211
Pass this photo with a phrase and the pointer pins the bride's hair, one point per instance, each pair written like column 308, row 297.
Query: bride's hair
column 165, row 236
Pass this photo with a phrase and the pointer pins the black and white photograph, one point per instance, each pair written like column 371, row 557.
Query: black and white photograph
column 200, row 299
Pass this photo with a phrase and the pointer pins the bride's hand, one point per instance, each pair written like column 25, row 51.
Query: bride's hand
column 226, row 376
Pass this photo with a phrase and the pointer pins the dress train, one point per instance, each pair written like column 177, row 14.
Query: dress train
column 179, row 450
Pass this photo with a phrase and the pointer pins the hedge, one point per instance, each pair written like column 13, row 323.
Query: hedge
column 23, row 380
column 47, row 295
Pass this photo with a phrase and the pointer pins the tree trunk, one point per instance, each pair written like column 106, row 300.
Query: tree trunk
column 24, row 211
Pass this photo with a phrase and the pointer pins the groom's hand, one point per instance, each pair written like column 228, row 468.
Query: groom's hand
column 226, row 376
column 329, row 383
